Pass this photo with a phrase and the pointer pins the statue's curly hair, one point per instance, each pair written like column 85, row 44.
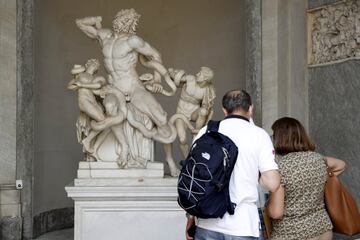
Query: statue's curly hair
column 126, row 21
column 208, row 73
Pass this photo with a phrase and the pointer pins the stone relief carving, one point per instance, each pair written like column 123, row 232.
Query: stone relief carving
column 335, row 32
column 119, row 115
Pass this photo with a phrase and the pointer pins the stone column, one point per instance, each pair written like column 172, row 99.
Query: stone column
column 10, row 220
column 270, row 62
column 253, row 56
column 7, row 91
column 284, row 72
column 25, row 110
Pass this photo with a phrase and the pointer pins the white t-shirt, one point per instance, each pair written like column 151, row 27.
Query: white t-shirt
column 256, row 154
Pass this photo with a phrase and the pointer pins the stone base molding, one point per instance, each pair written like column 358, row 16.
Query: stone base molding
column 130, row 208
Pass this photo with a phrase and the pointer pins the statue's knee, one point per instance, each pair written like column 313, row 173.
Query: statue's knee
column 162, row 119
column 182, row 139
column 203, row 112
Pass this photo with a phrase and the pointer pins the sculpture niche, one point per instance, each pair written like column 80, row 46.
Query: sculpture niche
column 119, row 114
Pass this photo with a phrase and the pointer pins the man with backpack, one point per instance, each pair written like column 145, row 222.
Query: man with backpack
column 254, row 164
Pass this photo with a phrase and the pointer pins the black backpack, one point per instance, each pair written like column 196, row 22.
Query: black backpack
column 203, row 185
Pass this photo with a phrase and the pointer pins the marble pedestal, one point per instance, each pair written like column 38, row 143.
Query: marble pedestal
column 136, row 208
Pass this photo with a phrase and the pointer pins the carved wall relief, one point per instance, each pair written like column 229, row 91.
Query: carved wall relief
column 334, row 32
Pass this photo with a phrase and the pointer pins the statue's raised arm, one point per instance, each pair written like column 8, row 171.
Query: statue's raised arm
column 142, row 47
column 91, row 26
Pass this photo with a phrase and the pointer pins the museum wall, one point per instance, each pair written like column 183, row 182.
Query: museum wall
column 333, row 105
column 189, row 34
column 334, row 116
column 9, row 195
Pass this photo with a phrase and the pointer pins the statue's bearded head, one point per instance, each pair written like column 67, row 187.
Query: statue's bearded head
column 205, row 75
column 126, row 21
column 92, row 62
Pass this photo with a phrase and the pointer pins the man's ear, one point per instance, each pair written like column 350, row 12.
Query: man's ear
column 251, row 108
column 225, row 112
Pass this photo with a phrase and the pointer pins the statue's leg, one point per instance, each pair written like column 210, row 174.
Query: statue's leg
column 87, row 141
column 94, row 111
column 181, row 130
column 174, row 170
column 99, row 140
column 202, row 115
column 120, row 137
column 147, row 104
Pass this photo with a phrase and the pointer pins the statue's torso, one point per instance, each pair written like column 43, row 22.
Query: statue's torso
column 191, row 99
column 120, row 62
column 85, row 96
column 194, row 91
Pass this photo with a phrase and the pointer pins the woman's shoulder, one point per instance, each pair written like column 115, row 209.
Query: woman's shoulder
column 303, row 154
column 297, row 156
column 314, row 155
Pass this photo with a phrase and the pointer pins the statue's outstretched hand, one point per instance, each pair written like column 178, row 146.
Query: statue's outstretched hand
column 98, row 21
column 176, row 75
column 156, row 88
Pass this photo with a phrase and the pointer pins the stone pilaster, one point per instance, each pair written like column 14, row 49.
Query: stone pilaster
column 253, row 63
column 25, row 110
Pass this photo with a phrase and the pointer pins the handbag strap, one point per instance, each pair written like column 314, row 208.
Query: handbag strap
column 330, row 172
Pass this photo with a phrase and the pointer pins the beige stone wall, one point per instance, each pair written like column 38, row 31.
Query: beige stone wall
column 7, row 91
column 284, row 82
column 9, row 196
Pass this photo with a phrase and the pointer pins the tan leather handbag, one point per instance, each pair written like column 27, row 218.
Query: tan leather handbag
column 267, row 224
column 341, row 207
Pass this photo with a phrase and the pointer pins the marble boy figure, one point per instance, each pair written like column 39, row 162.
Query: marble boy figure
column 87, row 84
column 195, row 104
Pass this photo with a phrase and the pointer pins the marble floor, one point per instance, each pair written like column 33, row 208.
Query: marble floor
column 65, row 234
column 68, row 234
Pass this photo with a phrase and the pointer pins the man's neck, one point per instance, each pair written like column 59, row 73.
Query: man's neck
column 240, row 113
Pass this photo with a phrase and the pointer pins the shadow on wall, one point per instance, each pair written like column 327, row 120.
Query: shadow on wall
column 53, row 220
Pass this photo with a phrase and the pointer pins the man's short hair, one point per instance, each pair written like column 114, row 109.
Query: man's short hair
column 236, row 100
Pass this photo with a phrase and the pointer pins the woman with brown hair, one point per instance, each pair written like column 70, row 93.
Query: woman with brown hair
column 297, row 207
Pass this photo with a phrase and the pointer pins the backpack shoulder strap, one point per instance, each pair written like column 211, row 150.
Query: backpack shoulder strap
column 213, row 126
